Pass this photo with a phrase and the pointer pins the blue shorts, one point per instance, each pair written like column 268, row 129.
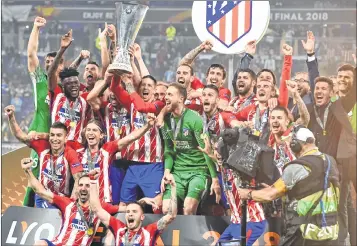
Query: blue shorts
column 48, row 242
column 41, row 203
column 255, row 229
column 116, row 177
column 224, row 201
column 147, row 176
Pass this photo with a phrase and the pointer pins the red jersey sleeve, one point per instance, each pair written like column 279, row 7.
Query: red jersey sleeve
column 84, row 95
column 122, row 95
column 112, row 209
column 285, row 75
column 146, row 107
column 61, row 202
column 197, row 84
column 82, row 87
column 39, row 145
column 243, row 114
column 111, row 147
column 228, row 117
column 73, row 161
column 154, row 231
column 225, row 94
column 115, row 224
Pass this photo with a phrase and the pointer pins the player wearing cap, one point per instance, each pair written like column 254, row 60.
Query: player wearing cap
column 311, row 185
column 79, row 222
column 133, row 232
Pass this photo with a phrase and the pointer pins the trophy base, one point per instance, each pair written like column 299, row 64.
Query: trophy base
column 120, row 68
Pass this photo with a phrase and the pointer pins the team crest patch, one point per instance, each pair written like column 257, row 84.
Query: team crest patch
column 186, row 132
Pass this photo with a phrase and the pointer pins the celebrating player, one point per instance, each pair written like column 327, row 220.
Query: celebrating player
column 182, row 134
column 133, row 232
column 58, row 162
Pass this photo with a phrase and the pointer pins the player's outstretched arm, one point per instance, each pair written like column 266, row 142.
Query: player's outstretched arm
column 172, row 211
column 94, row 202
column 14, row 126
column 26, row 165
column 138, row 133
column 32, row 46
column 85, row 54
column 191, row 56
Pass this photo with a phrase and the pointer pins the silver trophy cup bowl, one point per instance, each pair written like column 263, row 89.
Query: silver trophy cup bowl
column 129, row 17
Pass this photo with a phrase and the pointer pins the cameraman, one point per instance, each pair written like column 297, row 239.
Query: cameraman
column 311, row 185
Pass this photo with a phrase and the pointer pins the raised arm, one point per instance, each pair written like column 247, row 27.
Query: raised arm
column 104, row 53
column 85, row 54
column 100, row 86
column 191, row 56
column 66, row 40
column 312, row 65
column 137, row 53
column 172, row 210
column 121, row 95
column 250, row 50
column 26, row 165
column 303, row 112
column 112, row 33
column 32, row 46
column 94, row 202
column 285, row 75
column 136, row 72
column 14, row 126
column 137, row 133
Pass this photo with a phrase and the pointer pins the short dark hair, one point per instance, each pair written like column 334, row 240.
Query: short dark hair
column 283, row 109
column 324, row 79
column 181, row 89
column 347, row 67
column 59, row 125
column 53, row 54
column 269, row 71
column 189, row 66
column 213, row 87
column 250, row 71
column 141, row 206
column 217, row 66
column 68, row 72
column 149, row 77
column 83, row 176
column 93, row 63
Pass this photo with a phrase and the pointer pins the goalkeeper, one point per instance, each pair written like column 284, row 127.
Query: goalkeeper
column 183, row 134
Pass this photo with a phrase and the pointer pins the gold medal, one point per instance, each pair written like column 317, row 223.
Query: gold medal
column 90, row 231
column 174, row 144
column 324, row 132
column 256, row 133
column 119, row 131
column 72, row 124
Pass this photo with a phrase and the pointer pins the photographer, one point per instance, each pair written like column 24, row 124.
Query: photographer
column 311, row 185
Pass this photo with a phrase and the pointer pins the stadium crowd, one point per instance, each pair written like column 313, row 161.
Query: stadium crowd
column 105, row 142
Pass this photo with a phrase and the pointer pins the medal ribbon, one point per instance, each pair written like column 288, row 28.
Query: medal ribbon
column 72, row 110
column 322, row 124
column 259, row 125
column 133, row 239
column 206, row 126
column 88, row 223
column 176, row 128
column 91, row 162
column 53, row 166
column 246, row 102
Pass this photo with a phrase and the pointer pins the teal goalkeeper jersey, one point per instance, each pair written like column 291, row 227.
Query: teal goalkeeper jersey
column 182, row 136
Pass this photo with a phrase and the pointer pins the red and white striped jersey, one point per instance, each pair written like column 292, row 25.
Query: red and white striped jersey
column 73, row 230
column 61, row 111
column 241, row 103
column 218, row 123
column 194, row 104
column 56, row 171
column 149, row 147
column 145, row 236
column 117, row 124
column 255, row 209
column 103, row 160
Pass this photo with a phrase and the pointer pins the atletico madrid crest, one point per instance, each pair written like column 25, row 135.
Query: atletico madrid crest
column 228, row 21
